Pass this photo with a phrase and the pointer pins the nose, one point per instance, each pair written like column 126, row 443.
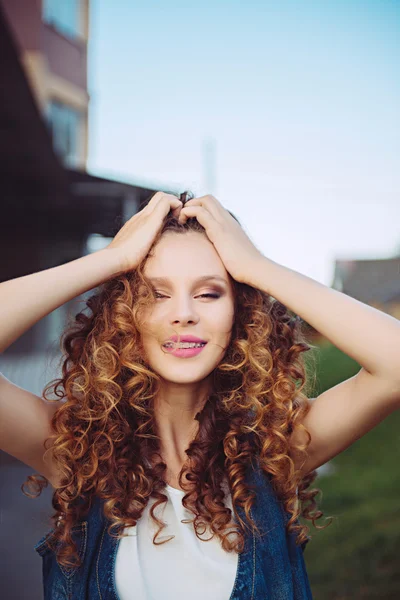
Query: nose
column 183, row 312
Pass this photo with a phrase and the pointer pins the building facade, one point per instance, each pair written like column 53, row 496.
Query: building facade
column 52, row 38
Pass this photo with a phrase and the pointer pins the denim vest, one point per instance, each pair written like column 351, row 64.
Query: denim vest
column 271, row 566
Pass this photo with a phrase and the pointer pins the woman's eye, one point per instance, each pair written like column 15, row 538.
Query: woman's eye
column 159, row 295
column 209, row 296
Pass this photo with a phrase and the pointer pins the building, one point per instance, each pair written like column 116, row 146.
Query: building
column 52, row 39
column 375, row 282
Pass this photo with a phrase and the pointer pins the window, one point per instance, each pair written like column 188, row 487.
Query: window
column 63, row 15
column 65, row 126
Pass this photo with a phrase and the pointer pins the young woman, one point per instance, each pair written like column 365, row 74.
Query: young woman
column 182, row 442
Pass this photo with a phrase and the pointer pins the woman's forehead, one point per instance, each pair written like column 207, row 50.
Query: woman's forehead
column 193, row 279
column 190, row 254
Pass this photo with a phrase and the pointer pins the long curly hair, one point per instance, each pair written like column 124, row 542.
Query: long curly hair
column 104, row 441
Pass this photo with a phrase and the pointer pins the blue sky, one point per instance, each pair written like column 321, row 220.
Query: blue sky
column 299, row 102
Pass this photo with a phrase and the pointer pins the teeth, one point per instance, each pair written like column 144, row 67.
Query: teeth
column 185, row 345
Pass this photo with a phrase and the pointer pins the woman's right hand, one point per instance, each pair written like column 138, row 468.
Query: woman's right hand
column 134, row 239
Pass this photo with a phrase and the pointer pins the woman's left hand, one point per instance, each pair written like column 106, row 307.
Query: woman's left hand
column 236, row 250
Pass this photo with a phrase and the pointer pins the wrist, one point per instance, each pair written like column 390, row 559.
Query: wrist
column 261, row 273
column 113, row 261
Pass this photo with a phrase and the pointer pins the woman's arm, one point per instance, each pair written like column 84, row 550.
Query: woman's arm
column 25, row 300
column 366, row 334
column 344, row 413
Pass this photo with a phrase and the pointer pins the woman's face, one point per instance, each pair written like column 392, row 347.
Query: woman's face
column 194, row 297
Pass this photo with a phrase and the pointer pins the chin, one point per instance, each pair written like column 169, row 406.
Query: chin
column 184, row 375
column 183, row 381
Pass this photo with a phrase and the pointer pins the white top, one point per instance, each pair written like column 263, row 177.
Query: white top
column 184, row 567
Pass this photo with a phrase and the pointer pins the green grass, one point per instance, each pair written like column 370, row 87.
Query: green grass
column 358, row 555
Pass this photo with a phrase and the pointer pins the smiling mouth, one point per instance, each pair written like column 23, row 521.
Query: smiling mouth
column 184, row 349
column 184, row 345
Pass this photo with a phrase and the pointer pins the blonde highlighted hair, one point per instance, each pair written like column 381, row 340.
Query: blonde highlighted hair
column 104, row 439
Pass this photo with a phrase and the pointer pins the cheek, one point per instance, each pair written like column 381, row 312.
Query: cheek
column 155, row 326
column 223, row 320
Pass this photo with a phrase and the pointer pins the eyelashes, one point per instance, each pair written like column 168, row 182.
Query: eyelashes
column 158, row 295
column 210, row 296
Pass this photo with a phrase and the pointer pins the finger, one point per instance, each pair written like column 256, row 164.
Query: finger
column 208, row 202
column 152, row 202
column 176, row 211
column 169, row 200
column 204, row 217
column 162, row 197
column 166, row 203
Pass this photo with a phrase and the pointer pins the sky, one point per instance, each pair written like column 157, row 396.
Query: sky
column 287, row 112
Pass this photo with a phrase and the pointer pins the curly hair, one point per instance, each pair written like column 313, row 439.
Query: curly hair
column 104, row 439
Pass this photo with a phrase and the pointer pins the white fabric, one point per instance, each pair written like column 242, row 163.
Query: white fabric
column 184, row 567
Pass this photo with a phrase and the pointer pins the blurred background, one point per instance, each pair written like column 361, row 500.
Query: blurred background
column 289, row 114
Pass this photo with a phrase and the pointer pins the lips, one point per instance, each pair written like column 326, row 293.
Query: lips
column 170, row 346
column 185, row 352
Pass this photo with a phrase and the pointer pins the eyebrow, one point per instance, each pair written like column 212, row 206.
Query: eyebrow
column 165, row 280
